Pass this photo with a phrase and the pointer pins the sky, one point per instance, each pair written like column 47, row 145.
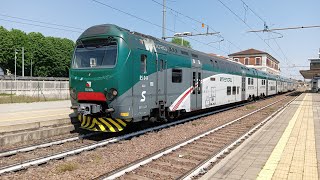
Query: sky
column 231, row 18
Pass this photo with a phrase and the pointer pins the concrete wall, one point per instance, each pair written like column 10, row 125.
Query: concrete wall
column 47, row 89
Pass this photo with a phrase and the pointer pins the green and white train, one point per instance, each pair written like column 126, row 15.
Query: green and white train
column 118, row 76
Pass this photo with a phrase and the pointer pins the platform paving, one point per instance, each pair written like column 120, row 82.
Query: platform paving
column 20, row 116
column 287, row 147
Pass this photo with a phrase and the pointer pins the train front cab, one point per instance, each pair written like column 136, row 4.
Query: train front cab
column 100, row 79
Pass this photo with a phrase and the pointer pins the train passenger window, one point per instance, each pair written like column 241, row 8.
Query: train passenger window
column 199, row 83
column 176, row 75
column 238, row 88
column 185, row 53
column 229, row 90
column 143, row 63
column 194, row 82
column 194, row 55
column 249, row 81
column 234, row 90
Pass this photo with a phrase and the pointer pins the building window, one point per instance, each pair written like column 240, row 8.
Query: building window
column 258, row 61
column 234, row 90
column 246, row 61
column 143, row 64
column 176, row 75
column 236, row 59
column 229, row 90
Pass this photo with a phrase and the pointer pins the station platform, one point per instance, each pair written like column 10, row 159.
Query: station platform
column 20, row 116
column 287, row 147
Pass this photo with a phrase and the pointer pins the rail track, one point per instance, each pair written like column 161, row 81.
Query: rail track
column 191, row 157
column 60, row 155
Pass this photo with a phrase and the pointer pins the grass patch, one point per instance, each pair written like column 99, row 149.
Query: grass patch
column 250, row 107
column 5, row 94
column 4, row 99
column 67, row 167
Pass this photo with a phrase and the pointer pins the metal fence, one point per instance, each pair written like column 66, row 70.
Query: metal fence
column 45, row 88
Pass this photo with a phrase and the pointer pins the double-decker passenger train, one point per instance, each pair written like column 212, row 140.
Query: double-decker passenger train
column 118, row 77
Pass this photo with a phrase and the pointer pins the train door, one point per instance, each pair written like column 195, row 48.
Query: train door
column 161, row 78
column 196, row 78
column 243, row 87
column 267, row 87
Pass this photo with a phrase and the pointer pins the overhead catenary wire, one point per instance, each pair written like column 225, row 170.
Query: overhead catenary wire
column 41, row 22
column 227, row 7
column 38, row 25
column 274, row 39
column 197, row 21
column 147, row 21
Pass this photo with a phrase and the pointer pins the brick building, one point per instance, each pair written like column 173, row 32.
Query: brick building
column 257, row 59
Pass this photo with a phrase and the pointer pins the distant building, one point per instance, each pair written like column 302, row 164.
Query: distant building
column 217, row 55
column 257, row 59
column 313, row 73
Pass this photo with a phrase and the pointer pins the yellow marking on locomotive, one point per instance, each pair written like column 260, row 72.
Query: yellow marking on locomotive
column 94, row 121
column 88, row 123
column 124, row 114
column 116, row 124
column 121, row 122
column 101, row 126
column 107, row 124
column 79, row 117
column 83, row 121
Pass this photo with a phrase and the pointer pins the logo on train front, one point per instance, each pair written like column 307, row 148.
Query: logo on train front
column 88, row 84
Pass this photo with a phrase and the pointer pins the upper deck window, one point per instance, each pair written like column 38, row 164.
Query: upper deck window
column 96, row 53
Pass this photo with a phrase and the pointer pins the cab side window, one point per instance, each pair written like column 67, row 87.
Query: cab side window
column 143, row 64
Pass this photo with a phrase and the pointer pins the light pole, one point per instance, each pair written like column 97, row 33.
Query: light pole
column 15, row 64
column 22, row 49
column 31, row 68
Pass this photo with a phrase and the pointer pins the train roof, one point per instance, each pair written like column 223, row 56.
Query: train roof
column 114, row 30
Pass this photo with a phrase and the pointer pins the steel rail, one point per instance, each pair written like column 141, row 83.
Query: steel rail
column 133, row 166
column 60, row 155
column 48, row 144
column 202, row 167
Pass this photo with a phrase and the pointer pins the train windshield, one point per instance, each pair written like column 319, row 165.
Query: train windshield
column 95, row 54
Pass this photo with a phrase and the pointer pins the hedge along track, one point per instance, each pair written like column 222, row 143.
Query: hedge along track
column 191, row 157
column 60, row 155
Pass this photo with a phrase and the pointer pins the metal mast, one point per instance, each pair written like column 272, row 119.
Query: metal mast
column 164, row 20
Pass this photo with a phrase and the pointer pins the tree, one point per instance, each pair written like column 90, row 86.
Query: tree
column 50, row 56
column 178, row 41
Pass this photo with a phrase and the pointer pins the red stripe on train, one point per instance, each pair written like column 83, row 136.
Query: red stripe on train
column 91, row 96
column 182, row 98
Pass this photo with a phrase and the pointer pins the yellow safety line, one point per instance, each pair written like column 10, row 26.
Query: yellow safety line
column 107, row 124
column 18, row 119
column 121, row 122
column 285, row 160
column 116, row 124
column 28, row 112
column 79, row 117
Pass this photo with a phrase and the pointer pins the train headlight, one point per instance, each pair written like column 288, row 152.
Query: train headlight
column 114, row 92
